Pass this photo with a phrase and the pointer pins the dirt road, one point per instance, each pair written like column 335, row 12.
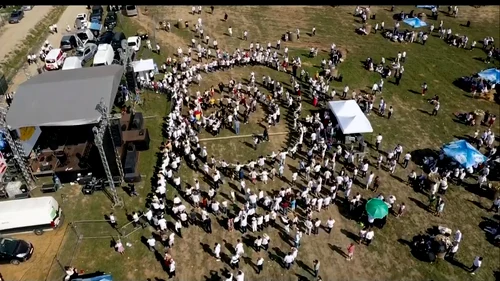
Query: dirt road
column 14, row 34
column 38, row 266
column 68, row 17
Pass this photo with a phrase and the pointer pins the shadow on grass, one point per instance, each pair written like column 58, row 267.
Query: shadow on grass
column 338, row 250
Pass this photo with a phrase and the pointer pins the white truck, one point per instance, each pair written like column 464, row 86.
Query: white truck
column 36, row 215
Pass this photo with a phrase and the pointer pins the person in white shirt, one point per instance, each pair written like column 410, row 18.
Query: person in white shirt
column 171, row 269
column 369, row 237
column 178, row 227
column 257, row 243
column 239, row 248
column 151, row 243
column 260, row 265
column 235, row 261
column 452, row 251
column 287, row 260
column 240, row 276
column 378, row 141
column 476, row 265
column 217, row 251
column 329, row 225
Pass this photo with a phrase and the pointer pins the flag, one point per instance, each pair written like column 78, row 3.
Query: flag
column 3, row 166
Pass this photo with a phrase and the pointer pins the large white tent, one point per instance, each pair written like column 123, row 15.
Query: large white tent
column 350, row 117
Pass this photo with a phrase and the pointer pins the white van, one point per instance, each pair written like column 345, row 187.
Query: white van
column 72, row 63
column 55, row 59
column 32, row 214
column 104, row 55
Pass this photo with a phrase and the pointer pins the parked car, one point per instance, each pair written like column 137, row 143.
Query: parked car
column 27, row 8
column 16, row 16
column 14, row 251
column 130, row 10
column 134, row 42
column 87, row 52
column 106, row 37
column 86, row 36
column 55, row 59
column 69, row 42
column 83, row 21
column 119, row 41
column 96, row 14
column 111, row 20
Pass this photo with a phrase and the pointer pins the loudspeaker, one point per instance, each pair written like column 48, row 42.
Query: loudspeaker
column 137, row 121
column 130, row 77
column 116, row 132
column 3, row 84
column 143, row 144
column 129, row 163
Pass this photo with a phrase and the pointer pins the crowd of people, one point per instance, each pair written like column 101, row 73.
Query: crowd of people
column 316, row 184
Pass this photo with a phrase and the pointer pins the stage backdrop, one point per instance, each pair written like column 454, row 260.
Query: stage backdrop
column 28, row 137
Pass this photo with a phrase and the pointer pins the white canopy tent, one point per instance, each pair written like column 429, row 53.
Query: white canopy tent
column 143, row 67
column 350, row 117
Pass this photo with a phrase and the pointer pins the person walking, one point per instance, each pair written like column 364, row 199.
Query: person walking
column 378, row 141
column 112, row 220
column 217, row 251
column 350, row 252
column 476, row 264
column 288, row 260
column 236, row 126
column 260, row 265
column 436, row 108
column 119, row 247
column 316, row 264
column 151, row 244
column 171, row 269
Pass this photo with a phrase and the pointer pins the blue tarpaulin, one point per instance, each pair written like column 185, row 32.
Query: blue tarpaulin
column 491, row 74
column 95, row 26
column 105, row 277
column 415, row 22
column 464, row 153
column 430, row 7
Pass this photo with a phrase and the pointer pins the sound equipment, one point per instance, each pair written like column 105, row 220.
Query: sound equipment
column 137, row 121
column 140, row 138
column 4, row 86
column 116, row 132
column 130, row 164
column 130, row 77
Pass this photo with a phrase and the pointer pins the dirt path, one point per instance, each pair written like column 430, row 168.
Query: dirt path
column 14, row 34
column 38, row 266
column 68, row 17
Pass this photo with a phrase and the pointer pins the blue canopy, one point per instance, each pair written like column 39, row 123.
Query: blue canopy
column 491, row 74
column 415, row 22
column 95, row 26
column 430, row 7
column 105, row 277
column 464, row 153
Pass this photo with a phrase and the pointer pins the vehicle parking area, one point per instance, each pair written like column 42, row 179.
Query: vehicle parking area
column 38, row 266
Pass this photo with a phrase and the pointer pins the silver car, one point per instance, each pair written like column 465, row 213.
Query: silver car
column 87, row 52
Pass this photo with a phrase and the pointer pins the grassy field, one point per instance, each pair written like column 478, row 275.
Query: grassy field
column 388, row 258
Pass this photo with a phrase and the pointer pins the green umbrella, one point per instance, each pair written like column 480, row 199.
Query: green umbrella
column 377, row 208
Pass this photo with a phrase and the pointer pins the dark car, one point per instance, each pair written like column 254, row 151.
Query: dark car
column 96, row 14
column 111, row 20
column 16, row 16
column 14, row 251
column 106, row 37
column 119, row 41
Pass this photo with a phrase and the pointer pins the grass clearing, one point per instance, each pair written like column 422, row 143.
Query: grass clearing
column 388, row 258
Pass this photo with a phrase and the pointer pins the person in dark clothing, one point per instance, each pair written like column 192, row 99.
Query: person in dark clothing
column 225, row 17
column 211, row 10
column 265, row 135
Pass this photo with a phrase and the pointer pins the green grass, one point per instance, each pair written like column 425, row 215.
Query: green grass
column 386, row 259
